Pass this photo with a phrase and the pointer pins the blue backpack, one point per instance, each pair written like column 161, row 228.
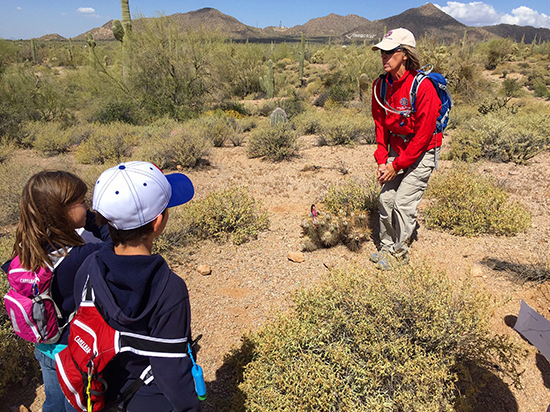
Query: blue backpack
column 440, row 84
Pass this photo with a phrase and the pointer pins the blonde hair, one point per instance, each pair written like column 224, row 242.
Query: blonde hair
column 44, row 219
column 413, row 58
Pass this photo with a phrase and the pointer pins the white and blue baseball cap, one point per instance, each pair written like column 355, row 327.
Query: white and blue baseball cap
column 132, row 194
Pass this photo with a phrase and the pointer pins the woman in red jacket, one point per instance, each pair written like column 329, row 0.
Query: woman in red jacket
column 407, row 144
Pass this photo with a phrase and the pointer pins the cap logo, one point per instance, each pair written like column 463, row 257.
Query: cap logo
column 388, row 34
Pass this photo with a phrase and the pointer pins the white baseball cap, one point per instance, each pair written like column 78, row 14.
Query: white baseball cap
column 395, row 38
column 133, row 194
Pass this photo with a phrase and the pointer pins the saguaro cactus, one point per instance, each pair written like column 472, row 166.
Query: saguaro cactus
column 302, row 57
column 267, row 82
column 33, row 51
column 126, row 19
column 121, row 31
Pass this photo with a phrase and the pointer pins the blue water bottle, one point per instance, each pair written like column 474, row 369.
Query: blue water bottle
column 198, row 377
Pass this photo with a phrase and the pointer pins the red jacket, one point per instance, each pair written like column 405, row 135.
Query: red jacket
column 420, row 125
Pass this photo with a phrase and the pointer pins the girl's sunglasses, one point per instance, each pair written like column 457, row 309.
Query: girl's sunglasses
column 391, row 52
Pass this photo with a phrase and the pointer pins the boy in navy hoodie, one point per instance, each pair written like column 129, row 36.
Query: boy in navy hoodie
column 135, row 290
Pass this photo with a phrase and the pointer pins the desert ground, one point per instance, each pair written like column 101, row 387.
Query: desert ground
column 251, row 283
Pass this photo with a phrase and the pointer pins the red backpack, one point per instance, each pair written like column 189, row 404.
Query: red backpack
column 92, row 345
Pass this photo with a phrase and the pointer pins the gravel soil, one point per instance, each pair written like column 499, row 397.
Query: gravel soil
column 250, row 283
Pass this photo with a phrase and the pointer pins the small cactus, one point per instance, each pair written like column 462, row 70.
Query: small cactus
column 328, row 231
column 278, row 116
column 363, row 85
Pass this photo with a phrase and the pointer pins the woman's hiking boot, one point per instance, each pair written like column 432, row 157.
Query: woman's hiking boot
column 390, row 261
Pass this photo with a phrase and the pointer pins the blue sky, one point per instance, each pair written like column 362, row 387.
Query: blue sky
column 23, row 19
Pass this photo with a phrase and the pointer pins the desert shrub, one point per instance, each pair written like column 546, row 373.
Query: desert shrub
column 16, row 355
column 13, row 176
column 469, row 204
column 353, row 195
column 218, row 127
column 460, row 114
column 233, row 107
column 362, row 341
column 511, row 87
column 6, row 150
column 246, row 124
column 173, row 144
column 108, row 143
column 293, row 104
column 503, row 135
column 498, row 51
column 342, row 127
column 540, row 89
column 325, row 230
column 274, row 143
column 175, row 73
column 123, row 112
column 339, row 93
column 309, row 122
column 227, row 214
column 50, row 138
column 494, row 105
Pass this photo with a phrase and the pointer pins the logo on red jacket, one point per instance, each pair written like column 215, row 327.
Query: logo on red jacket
column 404, row 102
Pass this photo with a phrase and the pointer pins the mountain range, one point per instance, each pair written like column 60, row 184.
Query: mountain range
column 426, row 20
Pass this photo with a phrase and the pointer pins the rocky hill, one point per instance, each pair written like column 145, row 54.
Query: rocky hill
column 519, row 33
column 425, row 20
column 52, row 37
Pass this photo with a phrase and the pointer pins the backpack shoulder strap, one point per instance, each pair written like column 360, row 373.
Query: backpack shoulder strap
column 419, row 78
column 383, row 87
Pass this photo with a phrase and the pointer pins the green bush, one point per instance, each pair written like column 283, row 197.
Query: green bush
column 219, row 127
column 353, row 195
column 6, row 151
column 275, row 143
column 468, row 204
column 511, row 87
column 228, row 214
column 498, row 51
column 16, row 355
column 503, row 135
column 50, row 138
column 309, row 122
column 108, row 143
column 13, row 176
column 172, row 144
column 341, row 127
column 111, row 112
column 367, row 342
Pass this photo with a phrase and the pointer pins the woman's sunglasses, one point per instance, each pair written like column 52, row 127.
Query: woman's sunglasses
column 391, row 52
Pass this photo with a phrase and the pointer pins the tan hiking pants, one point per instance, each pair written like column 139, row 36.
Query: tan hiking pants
column 399, row 199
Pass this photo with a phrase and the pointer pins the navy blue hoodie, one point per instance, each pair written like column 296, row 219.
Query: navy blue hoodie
column 140, row 294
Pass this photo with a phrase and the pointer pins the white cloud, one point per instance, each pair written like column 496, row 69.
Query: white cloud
column 86, row 10
column 478, row 13
column 524, row 16
column 19, row 8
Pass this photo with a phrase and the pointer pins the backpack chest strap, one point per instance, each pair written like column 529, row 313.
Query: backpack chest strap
column 406, row 137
